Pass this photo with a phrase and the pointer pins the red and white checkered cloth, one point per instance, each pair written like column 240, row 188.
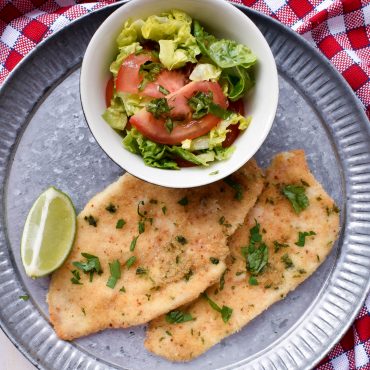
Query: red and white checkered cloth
column 340, row 29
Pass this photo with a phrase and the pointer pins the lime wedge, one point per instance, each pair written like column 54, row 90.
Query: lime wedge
column 48, row 233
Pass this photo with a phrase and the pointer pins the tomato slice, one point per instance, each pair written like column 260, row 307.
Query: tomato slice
column 187, row 128
column 109, row 92
column 129, row 78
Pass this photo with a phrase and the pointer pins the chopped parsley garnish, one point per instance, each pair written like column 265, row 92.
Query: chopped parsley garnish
column 178, row 317
column 288, row 263
column 83, row 311
column 153, row 201
column 158, row 107
column 141, row 227
column 91, row 220
column 183, row 201
column 120, row 223
column 304, row 183
column 297, row 197
column 150, row 70
column 24, row 297
column 188, row 275
column 133, row 243
column 334, row 209
column 200, row 103
column 181, row 239
column 213, row 173
column 76, row 277
column 111, row 208
column 130, row 261
column 278, row 246
column 222, row 279
column 302, row 237
column 141, row 271
column 225, row 311
column 123, row 290
column 214, row 260
column 168, row 333
column 164, row 210
column 163, row 90
column 168, row 125
column 238, row 188
column 256, row 253
column 91, row 266
column 253, row 280
column 115, row 274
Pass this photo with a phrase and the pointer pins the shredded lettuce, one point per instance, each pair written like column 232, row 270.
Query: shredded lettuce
column 133, row 103
column 172, row 30
column 205, row 72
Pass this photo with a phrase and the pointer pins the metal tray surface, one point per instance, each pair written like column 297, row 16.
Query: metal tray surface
column 44, row 140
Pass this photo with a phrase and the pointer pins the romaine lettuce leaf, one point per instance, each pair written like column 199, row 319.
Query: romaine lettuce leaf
column 235, row 60
column 133, row 102
column 124, row 52
column 205, row 72
column 130, row 33
column 173, row 32
column 115, row 115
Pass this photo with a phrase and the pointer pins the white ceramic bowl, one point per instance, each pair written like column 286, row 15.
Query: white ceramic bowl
column 223, row 20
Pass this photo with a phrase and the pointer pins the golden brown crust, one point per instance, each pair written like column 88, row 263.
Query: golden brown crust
column 78, row 310
column 278, row 222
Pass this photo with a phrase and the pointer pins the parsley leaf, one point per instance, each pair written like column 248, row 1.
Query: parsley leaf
column 288, row 263
column 302, row 237
column 236, row 186
column 141, row 227
column 91, row 265
column 150, row 71
column 130, row 261
column 169, row 125
column 297, row 197
column 120, row 223
column 188, row 275
column 164, row 210
column 115, row 274
column 214, row 260
column 133, row 243
column 24, row 297
column 158, row 107
column 183, row 201
column 91, row 220
column 111, row 208
column 278, row 246
column 181, row 239
column 225, row 311
column 253, row 280
column 200, row 103
column 177, row 317
column 256, row 253
column 76, row 277
column 138, row 209
column 163, row 90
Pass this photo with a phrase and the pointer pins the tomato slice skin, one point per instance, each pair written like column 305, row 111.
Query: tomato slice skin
column 155, row 129
column 129, row 78
column 109, row 92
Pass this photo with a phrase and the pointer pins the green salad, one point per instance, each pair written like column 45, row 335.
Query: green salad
column 176, row 92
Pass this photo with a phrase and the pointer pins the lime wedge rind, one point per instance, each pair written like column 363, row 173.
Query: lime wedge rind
column 40, row 258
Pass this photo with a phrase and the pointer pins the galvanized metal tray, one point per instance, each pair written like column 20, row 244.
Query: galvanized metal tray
column 45, row 141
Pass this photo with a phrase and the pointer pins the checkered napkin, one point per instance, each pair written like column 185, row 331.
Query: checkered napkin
column 340, row 29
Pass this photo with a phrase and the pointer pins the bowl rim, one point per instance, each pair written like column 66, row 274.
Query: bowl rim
column 227, row 170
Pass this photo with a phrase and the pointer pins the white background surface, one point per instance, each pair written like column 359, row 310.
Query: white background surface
column 10, row 357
